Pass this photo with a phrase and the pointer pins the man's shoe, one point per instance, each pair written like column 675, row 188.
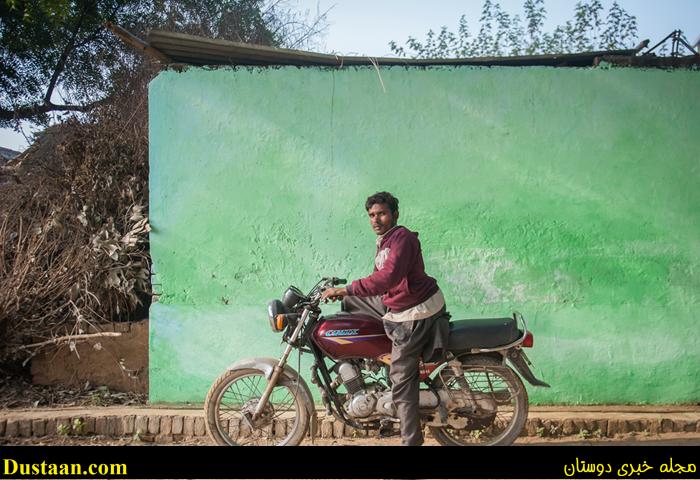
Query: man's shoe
column 387, row 430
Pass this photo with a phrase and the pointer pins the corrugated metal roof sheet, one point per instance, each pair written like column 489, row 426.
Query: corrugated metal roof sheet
column 6, row 154
column 193, row 50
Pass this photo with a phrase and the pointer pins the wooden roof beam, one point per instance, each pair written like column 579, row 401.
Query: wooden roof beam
column 135, row 42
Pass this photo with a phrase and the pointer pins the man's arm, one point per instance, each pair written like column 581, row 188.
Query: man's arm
column 396, row 266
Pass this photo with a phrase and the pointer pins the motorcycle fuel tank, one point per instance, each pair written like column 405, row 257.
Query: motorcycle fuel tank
column 343, row 336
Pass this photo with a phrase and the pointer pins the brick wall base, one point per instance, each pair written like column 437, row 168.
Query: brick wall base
column 165, row 428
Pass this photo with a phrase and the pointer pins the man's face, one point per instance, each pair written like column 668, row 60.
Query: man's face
column 381, row 219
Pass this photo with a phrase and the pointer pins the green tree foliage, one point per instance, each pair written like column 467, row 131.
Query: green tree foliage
column 620, row 28
column 57, row 55
column 501, row 33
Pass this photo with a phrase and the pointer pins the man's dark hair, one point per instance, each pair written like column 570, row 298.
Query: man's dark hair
column 383, row 197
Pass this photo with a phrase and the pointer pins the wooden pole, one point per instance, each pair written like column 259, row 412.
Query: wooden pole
column 135, row 42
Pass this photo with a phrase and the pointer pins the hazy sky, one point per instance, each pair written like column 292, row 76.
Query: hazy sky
column 367, row 26
column 364, row 27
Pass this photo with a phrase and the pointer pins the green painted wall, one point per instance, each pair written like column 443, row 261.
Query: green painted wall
column 571, row 195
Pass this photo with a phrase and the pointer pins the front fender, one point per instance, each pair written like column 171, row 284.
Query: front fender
column 267, row 366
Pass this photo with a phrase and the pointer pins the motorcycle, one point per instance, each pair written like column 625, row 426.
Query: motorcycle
column 472, row 397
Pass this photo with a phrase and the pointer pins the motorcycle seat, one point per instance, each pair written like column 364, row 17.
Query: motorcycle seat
column 482, row 333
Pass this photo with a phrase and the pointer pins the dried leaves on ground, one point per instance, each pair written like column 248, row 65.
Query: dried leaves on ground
column 18, row 392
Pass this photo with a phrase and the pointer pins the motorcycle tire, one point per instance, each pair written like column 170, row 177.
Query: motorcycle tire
column 273, row 430
column 450, row 437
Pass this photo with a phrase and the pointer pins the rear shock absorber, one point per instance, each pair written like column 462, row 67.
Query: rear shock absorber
column 458, row 372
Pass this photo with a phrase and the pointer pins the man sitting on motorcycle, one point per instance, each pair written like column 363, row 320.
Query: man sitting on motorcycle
column 407, row 300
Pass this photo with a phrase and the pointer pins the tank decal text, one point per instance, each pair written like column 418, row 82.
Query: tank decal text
column 342, row 333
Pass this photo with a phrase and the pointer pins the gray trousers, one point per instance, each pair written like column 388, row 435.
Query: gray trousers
column 409, row 341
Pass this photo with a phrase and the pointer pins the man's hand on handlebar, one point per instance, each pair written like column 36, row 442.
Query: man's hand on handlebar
column 334, row 294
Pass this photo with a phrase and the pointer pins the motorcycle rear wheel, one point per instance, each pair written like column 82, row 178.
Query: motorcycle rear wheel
column 233, row 397
column 498, row 384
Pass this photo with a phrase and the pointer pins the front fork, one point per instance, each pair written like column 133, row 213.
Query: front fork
column 279, row 368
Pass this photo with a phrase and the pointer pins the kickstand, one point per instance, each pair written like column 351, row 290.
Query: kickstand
column 443, row 412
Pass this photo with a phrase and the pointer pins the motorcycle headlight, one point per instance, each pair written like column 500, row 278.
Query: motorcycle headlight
column 276, row 315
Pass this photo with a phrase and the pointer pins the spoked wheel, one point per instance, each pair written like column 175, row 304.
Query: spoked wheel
column 497, row 405
column 232, row 399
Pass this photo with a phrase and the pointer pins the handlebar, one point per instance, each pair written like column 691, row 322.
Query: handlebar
column 326, row 282
column 334, row 280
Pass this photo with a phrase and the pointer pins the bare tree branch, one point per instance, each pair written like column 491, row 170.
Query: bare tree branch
column 32, row 111
column 70, row 45
column 70, row 338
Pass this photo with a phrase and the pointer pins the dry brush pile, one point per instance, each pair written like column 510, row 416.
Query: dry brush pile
column 73, row 225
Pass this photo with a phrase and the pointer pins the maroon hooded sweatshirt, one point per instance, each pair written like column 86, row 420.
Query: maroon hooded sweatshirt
column 399, row 273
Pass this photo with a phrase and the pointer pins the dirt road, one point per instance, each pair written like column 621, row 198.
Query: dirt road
column 669, row 439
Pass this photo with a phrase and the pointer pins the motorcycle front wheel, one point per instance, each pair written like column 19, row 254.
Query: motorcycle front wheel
column 232, row 399
column 500, row 396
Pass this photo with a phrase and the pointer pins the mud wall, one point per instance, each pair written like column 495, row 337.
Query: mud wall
column 117, row 362
column 570, row 195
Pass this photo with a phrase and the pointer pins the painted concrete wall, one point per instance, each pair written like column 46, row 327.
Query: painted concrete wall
column 571, row 195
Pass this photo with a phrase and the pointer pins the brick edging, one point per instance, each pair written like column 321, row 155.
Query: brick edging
column 168, row 428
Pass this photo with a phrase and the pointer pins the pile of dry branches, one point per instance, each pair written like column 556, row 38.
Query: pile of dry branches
column 74, row 226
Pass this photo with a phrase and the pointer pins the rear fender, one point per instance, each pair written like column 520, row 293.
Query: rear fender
column 518, row 359
column 267, row 366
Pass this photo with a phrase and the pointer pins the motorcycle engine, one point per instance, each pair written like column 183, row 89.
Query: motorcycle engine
column 351, row 376
column 364, row 400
